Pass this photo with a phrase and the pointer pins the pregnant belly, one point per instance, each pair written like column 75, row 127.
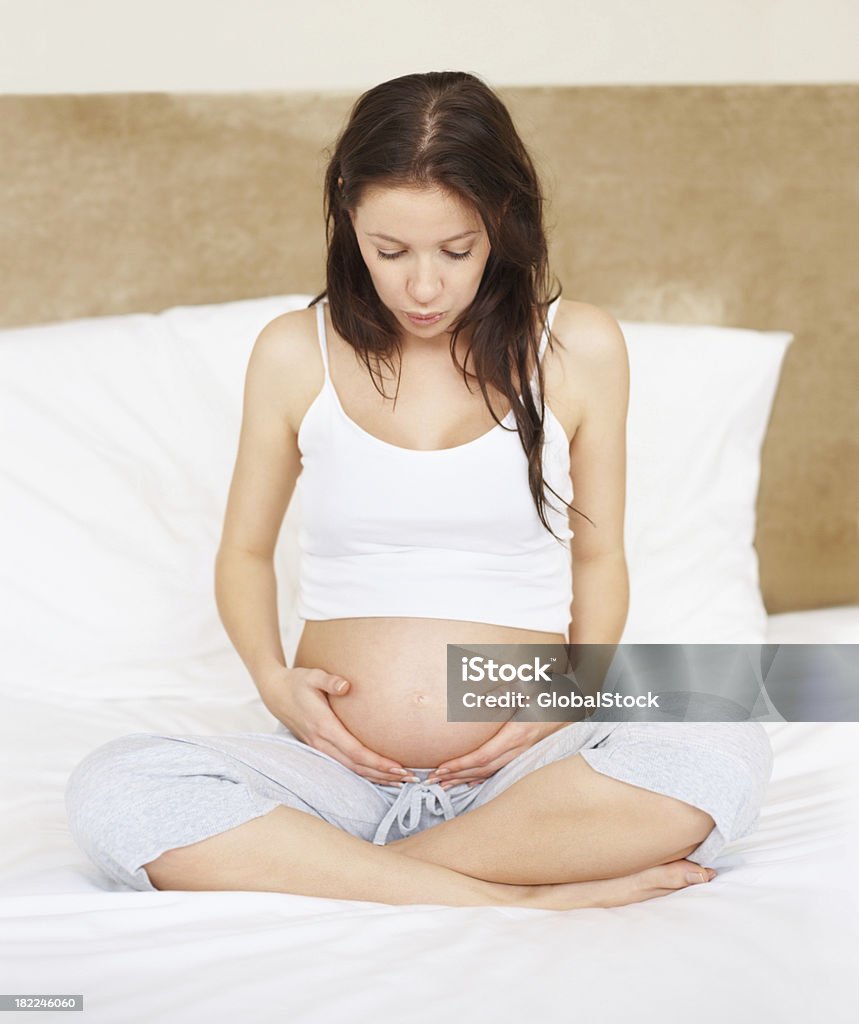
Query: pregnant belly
column 397, row 702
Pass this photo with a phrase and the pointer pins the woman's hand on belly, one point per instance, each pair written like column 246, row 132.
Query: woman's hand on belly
column 300, row 698
column 511, row 740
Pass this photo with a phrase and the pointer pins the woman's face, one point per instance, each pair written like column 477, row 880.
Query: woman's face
column 425, row 250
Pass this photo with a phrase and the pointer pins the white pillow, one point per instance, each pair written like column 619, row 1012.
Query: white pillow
column 700, row 401
column 119, row 438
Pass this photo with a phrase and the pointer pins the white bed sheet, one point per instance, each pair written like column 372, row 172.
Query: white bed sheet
column 773, row 938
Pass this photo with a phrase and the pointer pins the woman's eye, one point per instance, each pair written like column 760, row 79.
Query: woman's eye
column 396, row 255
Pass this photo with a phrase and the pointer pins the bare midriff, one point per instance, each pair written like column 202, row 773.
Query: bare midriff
column 397, row 667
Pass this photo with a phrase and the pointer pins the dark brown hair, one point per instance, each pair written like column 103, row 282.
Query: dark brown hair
column 448, row 130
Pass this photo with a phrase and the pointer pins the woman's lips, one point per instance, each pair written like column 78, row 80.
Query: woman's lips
column 423, row 320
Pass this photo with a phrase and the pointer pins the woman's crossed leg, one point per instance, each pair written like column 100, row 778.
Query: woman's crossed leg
column 562, row 837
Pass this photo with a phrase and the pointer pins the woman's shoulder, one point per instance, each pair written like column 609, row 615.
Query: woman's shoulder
column 286, row 355
column 590, row 344
column 291, row 336
column 587, row 360
column 588, row 332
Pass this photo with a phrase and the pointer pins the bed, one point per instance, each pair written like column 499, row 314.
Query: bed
column 146, row 239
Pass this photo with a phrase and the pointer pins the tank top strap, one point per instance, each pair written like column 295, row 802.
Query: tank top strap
column 550, row 318
column 544, row 340
column 323, row 338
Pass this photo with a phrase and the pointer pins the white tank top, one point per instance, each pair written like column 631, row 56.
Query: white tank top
column 450, row 533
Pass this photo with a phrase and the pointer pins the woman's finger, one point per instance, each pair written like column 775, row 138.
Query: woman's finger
column 481, row 758
column 361, row 759
column 371, row 774
column 480, row 774
column 508, row 743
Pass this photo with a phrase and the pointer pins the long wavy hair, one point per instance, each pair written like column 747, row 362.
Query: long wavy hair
column 448, row 130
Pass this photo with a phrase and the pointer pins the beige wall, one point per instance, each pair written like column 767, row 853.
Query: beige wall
column 225, row 45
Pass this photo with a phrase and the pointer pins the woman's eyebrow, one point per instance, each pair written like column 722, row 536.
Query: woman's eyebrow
column 387, row 238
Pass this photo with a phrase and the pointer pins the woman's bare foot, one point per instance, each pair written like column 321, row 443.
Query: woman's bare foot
column 612, row 892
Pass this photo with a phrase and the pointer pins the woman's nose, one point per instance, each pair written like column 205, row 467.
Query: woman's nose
column 424, row 285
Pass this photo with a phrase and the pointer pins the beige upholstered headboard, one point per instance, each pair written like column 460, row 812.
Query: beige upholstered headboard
column 734, row 205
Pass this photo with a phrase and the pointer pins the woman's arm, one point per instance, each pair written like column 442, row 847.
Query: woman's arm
column 279, row 379
column 246, row 594
column 267, row 467
column 598, row 471
column 599, row 368
column 601, row 600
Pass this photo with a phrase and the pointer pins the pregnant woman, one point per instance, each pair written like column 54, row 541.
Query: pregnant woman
column 436, row 408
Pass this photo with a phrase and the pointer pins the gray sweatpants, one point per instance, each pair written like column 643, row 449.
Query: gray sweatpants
column 132, row 799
